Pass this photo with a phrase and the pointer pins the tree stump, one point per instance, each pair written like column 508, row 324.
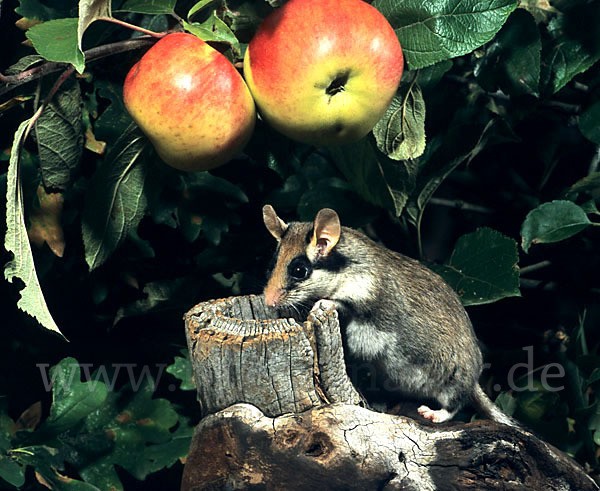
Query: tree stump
column 281, row 413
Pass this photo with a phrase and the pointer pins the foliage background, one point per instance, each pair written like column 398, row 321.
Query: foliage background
column 486, row 167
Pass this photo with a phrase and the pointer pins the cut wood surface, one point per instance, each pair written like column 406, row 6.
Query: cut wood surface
column 242, row 352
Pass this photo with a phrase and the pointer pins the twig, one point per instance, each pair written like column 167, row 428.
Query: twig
column 65, row 75
column 461, row 205
column 499, row 95
column 91, row 55
column 595, row 161
column 534, row 267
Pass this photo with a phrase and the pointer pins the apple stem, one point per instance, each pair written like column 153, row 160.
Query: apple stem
column 132, row 26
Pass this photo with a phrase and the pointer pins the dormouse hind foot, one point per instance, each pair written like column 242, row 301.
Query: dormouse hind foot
column 435, row 416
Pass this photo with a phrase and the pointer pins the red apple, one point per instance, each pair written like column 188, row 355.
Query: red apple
column 191, row 103
column 324, row 71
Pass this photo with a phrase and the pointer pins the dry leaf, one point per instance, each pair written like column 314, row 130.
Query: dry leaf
column 31, row 417
column 44, row 222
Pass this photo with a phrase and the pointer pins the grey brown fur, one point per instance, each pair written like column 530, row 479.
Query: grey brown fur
column 395, row 312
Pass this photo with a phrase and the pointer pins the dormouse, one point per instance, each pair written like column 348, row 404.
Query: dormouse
column 394, row 312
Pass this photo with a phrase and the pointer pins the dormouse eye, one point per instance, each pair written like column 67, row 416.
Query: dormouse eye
column 299, row 268
column 299, row 272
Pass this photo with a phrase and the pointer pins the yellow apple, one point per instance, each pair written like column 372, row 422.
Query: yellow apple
column 191, row 103
column 324, row 71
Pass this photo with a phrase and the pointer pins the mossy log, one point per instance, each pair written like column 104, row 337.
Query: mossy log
column 281, row 413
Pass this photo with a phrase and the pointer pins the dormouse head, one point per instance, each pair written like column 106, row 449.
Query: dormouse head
column 302, row 253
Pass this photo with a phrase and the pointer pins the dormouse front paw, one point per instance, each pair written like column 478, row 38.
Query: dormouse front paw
column 323, row 304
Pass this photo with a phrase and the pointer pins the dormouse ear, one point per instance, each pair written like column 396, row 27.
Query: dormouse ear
column 275, row 225
column 326, row 231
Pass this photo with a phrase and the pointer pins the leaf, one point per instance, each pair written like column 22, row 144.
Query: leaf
column 72, row 400
column 115, row 119
column 115, row 201
column 430, row 76
column 552, row 222
column 177, row 294
column 23, row 64
column 512, row 60
column 400, row 133
column 589, row 123
column 90, row 11
column 44, row 222
column 149, row 6
column 16, row 241
column 11, row 471
column 59, row 136
column 137, row 437
column 590, row 184
column 483, row 267
column 461, row 144
column 196, row 213
column 57, row 40
column 35, row 9
column 438, row 30
column 576, row 45
column 214, row 29
column 202, row 4
column 181, row 369
column 13, row 102
column 377, row 179
column 45, row 461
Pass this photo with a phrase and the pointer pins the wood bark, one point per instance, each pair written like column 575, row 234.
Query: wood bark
column 281, row 413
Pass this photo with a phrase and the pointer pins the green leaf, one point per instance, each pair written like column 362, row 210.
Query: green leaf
column 7, row 429
column 430, row 76
column 202, row 4
column 11, row 471
column 463, row 142
column 438, row 30
column 512, row 60
column 138, row 429
column 181, row 369
column 176, row 294
column 59, row 136
column 590, row 184
column 35, row 9
column 552, row 222
column 377, row 179
column 589, row 123
column 90, row 11
column 115, row 119
column 214, row 29
column 46, row 460
column 23, row 64
column 115, row 201
column 57, row 40
column 149, row 6
column 195, row 211
column 16, row 241
column 400, row 133
column 483, row 267
column 72, row 400
column 576, row 45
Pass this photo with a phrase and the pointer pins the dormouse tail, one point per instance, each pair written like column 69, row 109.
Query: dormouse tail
column 487, row 408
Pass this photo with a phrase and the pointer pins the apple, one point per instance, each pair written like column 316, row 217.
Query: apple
column 324, row 71
column 191, row 102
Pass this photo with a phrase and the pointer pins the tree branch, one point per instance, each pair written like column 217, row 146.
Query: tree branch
column 91, row 55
